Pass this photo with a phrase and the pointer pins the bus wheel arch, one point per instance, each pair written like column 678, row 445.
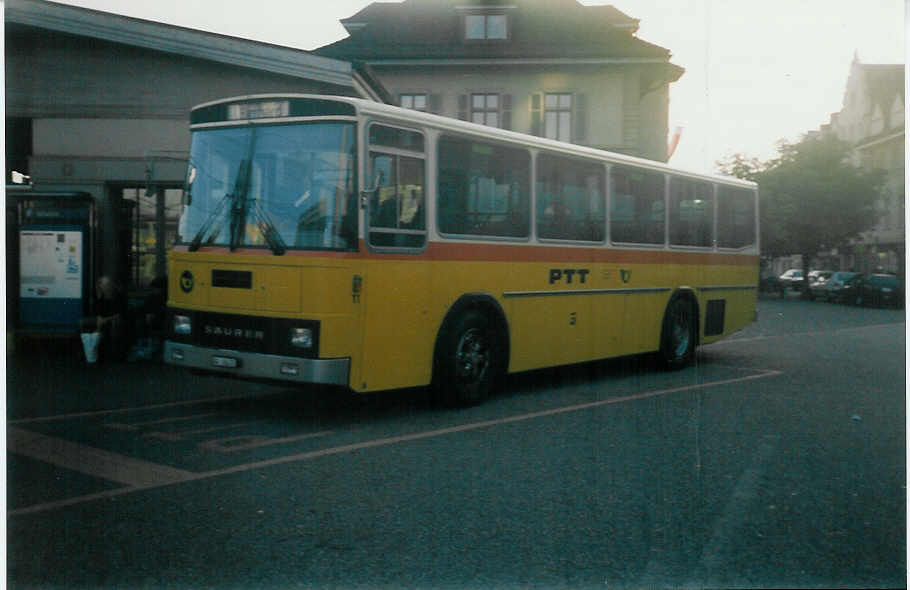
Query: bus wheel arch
column 471, row 353
column 679, row 334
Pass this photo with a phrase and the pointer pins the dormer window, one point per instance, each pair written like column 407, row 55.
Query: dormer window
column 478, row 27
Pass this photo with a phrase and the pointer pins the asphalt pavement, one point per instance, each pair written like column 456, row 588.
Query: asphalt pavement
column 777, row 460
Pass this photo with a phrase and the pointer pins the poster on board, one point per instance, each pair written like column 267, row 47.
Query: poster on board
column 50, row 264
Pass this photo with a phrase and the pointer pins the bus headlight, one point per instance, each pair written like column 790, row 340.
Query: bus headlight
column 302, row 337
column 182, row 325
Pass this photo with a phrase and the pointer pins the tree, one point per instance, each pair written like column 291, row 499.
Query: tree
column 812, row 198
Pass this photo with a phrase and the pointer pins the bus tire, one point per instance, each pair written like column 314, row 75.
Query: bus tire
column 678, row 334
column 469, row 359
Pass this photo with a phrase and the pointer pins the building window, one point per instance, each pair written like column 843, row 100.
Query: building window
column 558, row 117
column 418, row 102
column 485, row 109
column 485, row 26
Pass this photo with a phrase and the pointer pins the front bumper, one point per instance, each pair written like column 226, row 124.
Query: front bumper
column 256, row 365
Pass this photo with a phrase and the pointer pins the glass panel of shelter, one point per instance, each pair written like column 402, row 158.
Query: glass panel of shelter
column 153, row 229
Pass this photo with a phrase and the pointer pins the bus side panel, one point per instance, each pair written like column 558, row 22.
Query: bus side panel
column 327, row 296
column 453, row 279
column 398, row 333
column 550, row 325
column 650, row 287
column 738, row 303
column 642, row 322
column 548, row 331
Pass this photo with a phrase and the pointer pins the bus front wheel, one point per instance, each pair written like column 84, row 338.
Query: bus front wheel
column 468, row 360
column 677, row 343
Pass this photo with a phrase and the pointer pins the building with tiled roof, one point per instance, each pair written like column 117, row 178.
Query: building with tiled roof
column 553, row 68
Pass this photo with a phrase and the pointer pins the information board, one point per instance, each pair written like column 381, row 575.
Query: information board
column 50, row 264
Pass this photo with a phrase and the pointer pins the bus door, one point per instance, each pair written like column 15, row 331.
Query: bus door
column 396, row 291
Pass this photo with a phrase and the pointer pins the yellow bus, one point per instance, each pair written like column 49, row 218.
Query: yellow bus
column 340, row 241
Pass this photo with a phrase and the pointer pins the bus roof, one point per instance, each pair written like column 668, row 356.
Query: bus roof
column 403, row 115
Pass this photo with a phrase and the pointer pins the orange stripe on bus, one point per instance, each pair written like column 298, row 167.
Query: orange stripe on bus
column 474, row 252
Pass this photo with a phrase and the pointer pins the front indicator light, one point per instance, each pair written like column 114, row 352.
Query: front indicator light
column 182, row 325
column 302, row 337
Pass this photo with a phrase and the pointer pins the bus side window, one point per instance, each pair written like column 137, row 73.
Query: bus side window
column 735, row 217
column 397, row 216
column 384, row 205
column 483, row 189
column 452, row 191
column 691, row 213
column 570, row 199
column 637, row 212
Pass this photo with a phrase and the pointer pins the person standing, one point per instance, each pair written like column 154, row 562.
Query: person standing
column 109, row 319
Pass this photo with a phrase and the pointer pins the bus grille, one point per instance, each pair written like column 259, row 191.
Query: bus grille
column 245, row 333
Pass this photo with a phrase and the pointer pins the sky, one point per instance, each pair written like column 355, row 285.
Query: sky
column 756, row 71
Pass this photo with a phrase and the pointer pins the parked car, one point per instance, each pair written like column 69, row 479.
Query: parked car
column 790, row 279
column 875, row 290
column 817, row 283
column 834, row 286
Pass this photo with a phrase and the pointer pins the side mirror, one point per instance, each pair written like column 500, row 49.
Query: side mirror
column 188, row 193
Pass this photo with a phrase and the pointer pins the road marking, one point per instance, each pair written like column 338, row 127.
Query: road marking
column 191, row 402
column 382, row 442
column 247, row 442
column 177, row 435
column 729, row 340
column 134, row 426
column 735, row 513
column 476, row 425
column 796, row 334
column 91, row 461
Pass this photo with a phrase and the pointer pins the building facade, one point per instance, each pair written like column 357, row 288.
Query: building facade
column 872, row 122
column 552, row 68
column 98, row 104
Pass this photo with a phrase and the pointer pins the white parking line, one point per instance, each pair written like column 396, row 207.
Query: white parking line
column 191, row 402
column 91, row 461
column 735, row 340
column 178, row 435
column 133, row 426
column 245, row 443
column 171, row 478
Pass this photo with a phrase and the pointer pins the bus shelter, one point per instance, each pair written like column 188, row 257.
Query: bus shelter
column 50, row 242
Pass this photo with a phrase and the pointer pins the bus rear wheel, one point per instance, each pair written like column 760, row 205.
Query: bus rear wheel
column 677, row 343
column 468, row 360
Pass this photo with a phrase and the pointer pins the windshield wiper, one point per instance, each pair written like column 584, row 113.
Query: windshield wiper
column 238, row 200
column 215, row 216
column 269, row 231
column 240, row 211
column 240, row 203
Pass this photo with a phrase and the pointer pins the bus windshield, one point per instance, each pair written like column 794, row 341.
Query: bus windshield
column 277, row 186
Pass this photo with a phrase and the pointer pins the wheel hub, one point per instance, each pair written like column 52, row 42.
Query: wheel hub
column 472, row 356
